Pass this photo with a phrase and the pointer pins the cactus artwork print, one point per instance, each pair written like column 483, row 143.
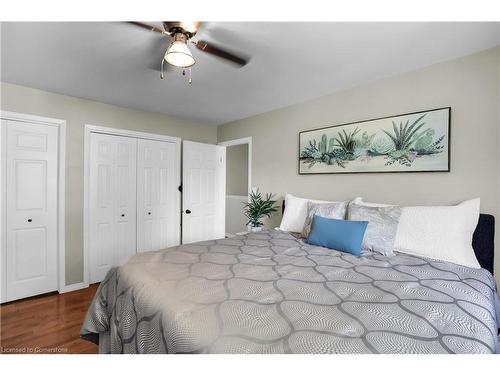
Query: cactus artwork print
column 414, row 142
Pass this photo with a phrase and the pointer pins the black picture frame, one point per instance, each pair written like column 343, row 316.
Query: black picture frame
column 339, row 171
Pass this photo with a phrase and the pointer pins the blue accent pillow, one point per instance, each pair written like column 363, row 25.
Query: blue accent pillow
column 342, row 235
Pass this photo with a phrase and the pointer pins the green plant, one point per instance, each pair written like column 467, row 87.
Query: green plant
column 381, row 146
column 403, row 157
column 366, row 140
column 430, row 147
column 403, row 136
column 259, row 207
column 331, row 144
column 310, row 151
column 346, row 141
column 322, row 144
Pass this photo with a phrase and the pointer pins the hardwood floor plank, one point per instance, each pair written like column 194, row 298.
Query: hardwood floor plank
column 46, row 324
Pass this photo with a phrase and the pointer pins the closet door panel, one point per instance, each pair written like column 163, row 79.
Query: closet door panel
column 167, row 212
column 101, row 184
column 112, row 199
column 146, row 183
column 126, row 200
column 157, row 195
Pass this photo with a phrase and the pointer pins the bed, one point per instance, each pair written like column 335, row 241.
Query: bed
column 271, row 292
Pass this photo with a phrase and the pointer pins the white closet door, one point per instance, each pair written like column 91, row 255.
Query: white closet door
column 31, row 204
column 203, row 192
column 158, row 202
column 112, row 202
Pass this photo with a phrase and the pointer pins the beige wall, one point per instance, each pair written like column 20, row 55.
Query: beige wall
column 237, row 170
column 470, row 85
column 78, row 112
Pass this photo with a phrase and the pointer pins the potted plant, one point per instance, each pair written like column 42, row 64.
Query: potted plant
column 257, row 208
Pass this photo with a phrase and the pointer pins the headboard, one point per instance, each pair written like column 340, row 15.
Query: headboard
column 483, row 240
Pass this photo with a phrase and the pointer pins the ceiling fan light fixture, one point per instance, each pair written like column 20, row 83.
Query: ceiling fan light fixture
column 178, row 54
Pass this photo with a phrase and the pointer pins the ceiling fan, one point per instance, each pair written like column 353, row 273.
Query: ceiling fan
column 178, row 53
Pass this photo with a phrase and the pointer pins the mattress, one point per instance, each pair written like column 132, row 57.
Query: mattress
column 270, row 292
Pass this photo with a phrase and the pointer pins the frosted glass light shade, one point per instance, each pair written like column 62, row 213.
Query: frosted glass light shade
column 179, row 55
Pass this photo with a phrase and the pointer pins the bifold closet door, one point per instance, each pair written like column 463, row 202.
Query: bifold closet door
column 112, row 202
column 158, row 196
column 31, row 209
column 203, row 192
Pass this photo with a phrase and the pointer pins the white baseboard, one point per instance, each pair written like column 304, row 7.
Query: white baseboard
column 73, row 287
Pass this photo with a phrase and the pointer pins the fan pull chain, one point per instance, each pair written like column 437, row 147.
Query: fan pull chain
column 161, row 72
column 190, row 80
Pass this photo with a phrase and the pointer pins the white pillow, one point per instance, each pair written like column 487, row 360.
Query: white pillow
column 438, row 232
column 295, row 213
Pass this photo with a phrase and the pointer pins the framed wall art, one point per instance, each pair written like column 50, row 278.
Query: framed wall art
column 412, row 142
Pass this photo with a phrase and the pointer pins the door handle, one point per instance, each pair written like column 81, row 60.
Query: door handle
column 29, row 220
column 123, row 215
column 188, row 211
column 149, row 213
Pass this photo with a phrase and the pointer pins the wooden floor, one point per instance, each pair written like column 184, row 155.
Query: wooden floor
column 46, row 324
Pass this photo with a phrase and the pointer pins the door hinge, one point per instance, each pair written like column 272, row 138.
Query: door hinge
column 180, row 188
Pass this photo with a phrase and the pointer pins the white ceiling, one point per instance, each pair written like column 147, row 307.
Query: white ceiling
column 290, row 62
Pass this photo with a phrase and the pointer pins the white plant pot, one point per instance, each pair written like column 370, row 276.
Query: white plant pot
column 255, row 229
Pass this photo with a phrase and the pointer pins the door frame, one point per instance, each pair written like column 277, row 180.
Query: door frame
column 89, row 129
column 243, row 141
column 61, row 193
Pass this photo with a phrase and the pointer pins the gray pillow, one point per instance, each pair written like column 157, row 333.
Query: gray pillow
column 382, row 226
column 334, row 210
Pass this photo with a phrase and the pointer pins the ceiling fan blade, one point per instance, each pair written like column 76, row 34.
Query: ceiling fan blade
column 148, row 27
column 219, row 52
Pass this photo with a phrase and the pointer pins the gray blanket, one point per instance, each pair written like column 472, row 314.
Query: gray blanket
column 273, row 293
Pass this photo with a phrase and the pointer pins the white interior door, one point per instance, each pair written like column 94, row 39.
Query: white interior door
column 31, row 209
column 112, row 202
column 203, row 191
column 158, row 201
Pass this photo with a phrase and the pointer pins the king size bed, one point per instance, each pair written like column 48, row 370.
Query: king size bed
column 271, row 292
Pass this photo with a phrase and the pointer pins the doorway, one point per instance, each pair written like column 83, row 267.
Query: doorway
column 238, row 183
